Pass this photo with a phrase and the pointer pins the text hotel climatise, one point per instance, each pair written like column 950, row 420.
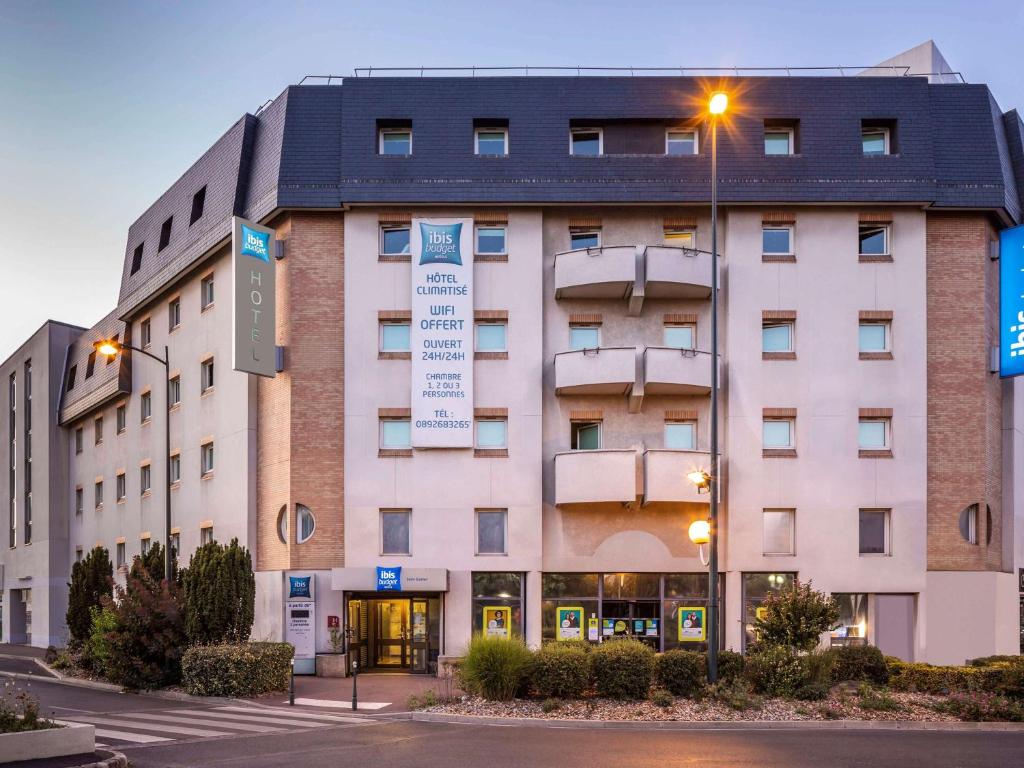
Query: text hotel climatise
column 442, row 333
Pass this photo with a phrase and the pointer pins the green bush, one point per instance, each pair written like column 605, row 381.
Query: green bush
column 219, row 594
column 582, row 645
column 981, row 707
column 662, row 698
column 494, row 668
column 550, row 705
column 236, row 669
column 926, row 678
column 91, row 581
column 735, row 693
column 796, row 617
column 19, row 711
column 97, row 651
column 683, row 673
column 560, row 671
column 775, row 671
column 622, row 669
column 878, row 701
column 1012, row 679
column 817, row 670
column 987, row 661
column 730, row 665
column 859, row 662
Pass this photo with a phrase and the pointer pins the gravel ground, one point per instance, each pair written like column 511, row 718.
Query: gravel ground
column 839, row 706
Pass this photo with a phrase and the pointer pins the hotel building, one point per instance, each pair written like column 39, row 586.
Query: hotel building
column 868, row 442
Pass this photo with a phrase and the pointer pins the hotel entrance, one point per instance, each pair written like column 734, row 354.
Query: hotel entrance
column 394, row 634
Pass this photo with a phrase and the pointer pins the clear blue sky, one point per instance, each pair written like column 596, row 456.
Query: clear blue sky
column 104, row 104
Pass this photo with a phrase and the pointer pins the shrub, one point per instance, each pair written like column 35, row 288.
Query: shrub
column 735, row 693
column 809, row 691
column 219, row 594
column 97, row 651
column 925, row 678
column 796, row 617
column 730, row 665
column 91, row 581
column 775, row 671
column 1012, row 682
column 878, row 701
column 981, row 707
column 683, row 673
column 859, row 662
column 817, row 669
column 560, row 670
column 583, row 645
column 495, row 668
column 622, row 669
column 236, row 669
column 550, row 705
column 987, row 661
column 19, row 711
column 662, row 698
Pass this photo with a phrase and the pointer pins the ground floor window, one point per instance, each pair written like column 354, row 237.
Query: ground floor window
column 498, row 604
column 756, row 587
column 853, row 619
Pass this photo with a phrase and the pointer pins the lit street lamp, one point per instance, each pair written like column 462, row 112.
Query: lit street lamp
column 111, row 348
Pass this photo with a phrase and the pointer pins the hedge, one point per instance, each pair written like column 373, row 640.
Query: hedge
column 622, row 669
column 683, row 673
column 495, row 668
column 730, row 665
column 236, row 669
column 560, row 670
column 859, row 662
column 775, row 670
column 925, row 678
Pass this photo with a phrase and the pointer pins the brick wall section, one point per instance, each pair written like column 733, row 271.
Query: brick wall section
column 301, row 412
column 964, row 399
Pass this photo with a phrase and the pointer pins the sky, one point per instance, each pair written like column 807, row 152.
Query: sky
column 104, row 104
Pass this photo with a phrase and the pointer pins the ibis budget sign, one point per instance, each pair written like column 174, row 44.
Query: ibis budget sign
column 253, row 299
column 1011, row 302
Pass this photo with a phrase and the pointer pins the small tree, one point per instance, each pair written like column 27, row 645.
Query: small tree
column 91, row 581
column 796, row 617
column 220, row 594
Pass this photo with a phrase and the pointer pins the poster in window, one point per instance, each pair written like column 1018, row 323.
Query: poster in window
column 692, row 624
column 570, row 623
column 497, row 621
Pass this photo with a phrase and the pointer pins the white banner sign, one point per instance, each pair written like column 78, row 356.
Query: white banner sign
column 442, row 333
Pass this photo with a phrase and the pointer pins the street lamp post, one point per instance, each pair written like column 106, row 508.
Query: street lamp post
column 111, row 348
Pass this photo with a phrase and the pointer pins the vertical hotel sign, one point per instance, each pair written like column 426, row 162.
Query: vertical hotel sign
column 1011, row 302
column 442, row 333
column 253, row 315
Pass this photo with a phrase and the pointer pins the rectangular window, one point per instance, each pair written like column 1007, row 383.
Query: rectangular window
column 873, row 336
column 175, row 468
column 395, row 531
column 146, row 406
column 680, row 336
column 78, row 554
column 777, row 336
column 165, row 234
column 491, row 142
column 206, row 535
column 491, row 337
column 778, row 141
column 198, row 204
column 873, row 434
column 206, row 292
column 174, row 314
column 584, row 337
column 121, row 486
column 122, row 418
column 144, row 545
column 680, row 142
column 680, row 238
column 778, row 535
column 778, row 433
column 491, row 531
column 79, row 434
column 98, row 430
column 584, row 238
column 585, row 435
column 395, row 433
column 206, row 458
column 137, row 257
column 853, row 619
column 396, row 141
column 874, row 141
column 71, row 377
column 206, row 375
column 394, row 241
column 176, row 543
column 145, row 479
column 146, row 332
column 498, row 605
column 873, row 240
column 588, row 142
column 874, row 532
column 79, row 501
column 394, row 336
column 98, row 494
column 491, row 433
column 681, row 435
column 492, row 241
column 776, row 241
column 120, row 554
column 90, row 365
column 174, row 391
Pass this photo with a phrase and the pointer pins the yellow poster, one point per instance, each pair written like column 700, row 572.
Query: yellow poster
column 570, row 623
column 760, row 612
column 692, row 624
column 497, row 621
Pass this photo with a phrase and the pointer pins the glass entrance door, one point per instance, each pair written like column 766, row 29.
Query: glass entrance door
column 419, row 649
column 392, row 633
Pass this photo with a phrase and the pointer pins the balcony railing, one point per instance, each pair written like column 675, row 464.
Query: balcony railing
column 665, row 471
column 599, row 371
column 674, row 371
column 591, row 477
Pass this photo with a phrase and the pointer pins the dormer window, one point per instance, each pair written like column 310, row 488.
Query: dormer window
column 395, row 141
column 877, row 137
column 198, row 204
column 165, row 234
column 137, row 257
column 588, row 142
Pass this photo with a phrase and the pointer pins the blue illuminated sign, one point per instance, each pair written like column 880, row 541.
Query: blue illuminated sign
column 298, row 586
column 441, row 243
column 1011, row 302
column 389, row 579
column 255, row 243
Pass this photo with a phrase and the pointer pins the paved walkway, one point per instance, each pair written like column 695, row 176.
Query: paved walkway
column 379, row 692
column 26, row 651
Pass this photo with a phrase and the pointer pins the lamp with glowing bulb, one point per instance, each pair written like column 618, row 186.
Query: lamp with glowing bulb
column 700, row 534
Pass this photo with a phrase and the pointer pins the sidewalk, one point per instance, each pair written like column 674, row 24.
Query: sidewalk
column 25, row 651
column 379, row 692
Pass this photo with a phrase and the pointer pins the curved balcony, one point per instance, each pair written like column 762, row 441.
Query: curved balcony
column 596, row 273
column 599, row 371
column 673, row 371
column 677, row 273
column 590, row 477
column 665, row 471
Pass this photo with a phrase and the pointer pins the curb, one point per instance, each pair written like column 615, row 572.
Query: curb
column 718, row 725
column 112, row 760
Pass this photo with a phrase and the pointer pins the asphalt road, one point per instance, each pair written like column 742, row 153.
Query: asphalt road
column 405, row 744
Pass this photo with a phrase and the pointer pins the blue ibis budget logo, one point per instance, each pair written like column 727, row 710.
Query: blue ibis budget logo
column 255, row 243
column 298, row 586
column 389, row 579
column 1011, row 302
column 440, row 243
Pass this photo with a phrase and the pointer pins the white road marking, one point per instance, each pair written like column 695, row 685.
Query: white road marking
column 334, row 704
column 162, row 718
column 293, row 714
column 138, row 738
column 121, row 723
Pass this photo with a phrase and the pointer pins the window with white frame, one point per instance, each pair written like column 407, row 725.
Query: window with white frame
column 145, row 479
column 778, row 529
column 206, row 535
column 873, row 434
column 79, row 439
column 584, row 238
column 97, row 426
column 396, row 531
column 776, row 240
column 874, row 537
column 680, row 335
column 491, row 336
column 305, row 523
column 395, row 240
column 777, row 336
column 97, row 491
column 395, row 433
column 395, row 141
column 680, row 237
column 206, row 375
column 779, row 433
column 146, row 332
column 873, row 336
column 122, row 418
column 174, row 390
column 206, row 458
column 680, row 142
column 491, row 240
column 492, row 433
column 121, row 486
column 174, row 314
column 778, row 140
column 206, row 291
column 588, row 142
column 144, row 544
column 491, row 142
column 491, row 532
column 175, row 468
column 681, row 435
column 584, row 337
column 968, row 523
column 874, row 140
column 394, row 335
column 79, row 501
column 121, row 555
column 145, row 406
column 873, row 240
column 585, row 435
column 175, row 543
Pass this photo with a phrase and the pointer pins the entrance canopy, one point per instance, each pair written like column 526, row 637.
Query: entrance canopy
column 406, row 579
